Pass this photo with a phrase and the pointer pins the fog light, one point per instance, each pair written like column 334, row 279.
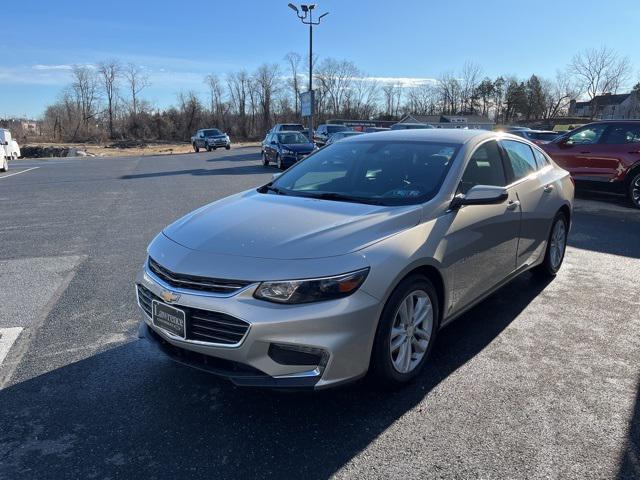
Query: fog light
column 298, row 355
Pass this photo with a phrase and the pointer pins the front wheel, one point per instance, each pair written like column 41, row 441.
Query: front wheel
column 265, row 160
column 556, row 246
column 406, row 332
column 279, row 162
column 634, row 191
column 208, row 148
column 228, row 147
column 195, row 147
column 4, row 167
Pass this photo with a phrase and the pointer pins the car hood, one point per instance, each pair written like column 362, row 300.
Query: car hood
column 217, row 136
column 299, row 147
column 251, row 224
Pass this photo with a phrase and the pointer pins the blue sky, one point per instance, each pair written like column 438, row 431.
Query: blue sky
column 180, row 42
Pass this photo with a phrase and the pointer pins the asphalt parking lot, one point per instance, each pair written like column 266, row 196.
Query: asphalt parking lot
column 539, row 381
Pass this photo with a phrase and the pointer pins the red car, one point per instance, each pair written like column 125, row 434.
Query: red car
column 602, row 155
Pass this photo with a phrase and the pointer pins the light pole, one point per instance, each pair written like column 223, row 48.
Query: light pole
column 306, row 17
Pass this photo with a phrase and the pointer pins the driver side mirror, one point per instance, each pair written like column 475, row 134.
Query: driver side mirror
column 480, row 195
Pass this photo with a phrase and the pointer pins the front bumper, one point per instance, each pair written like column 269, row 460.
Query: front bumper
column 342, row 328
column 218, row 142
column 291, row 158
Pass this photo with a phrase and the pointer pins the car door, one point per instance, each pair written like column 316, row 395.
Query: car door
column 200, row 139
column 481, row 242
column 270, row 148
column 535, row 191
column 580, row 153
column 620, row 149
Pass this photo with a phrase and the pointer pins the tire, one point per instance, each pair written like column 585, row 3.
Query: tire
column 634, row 190
column 195, row 147
column 4, row 167
column 214, row 147
column 552, row 257
column 208, row 148
column 228, row 147
column 279, row 162
column 265, row 160
column 387, row 366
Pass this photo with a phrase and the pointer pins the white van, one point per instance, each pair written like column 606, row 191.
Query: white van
column 9, row 149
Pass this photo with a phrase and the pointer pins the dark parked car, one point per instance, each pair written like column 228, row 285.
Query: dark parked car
column 410, row 126
column 210, row 138
column 334, row 137
column 375, row 129
column 539, row 137
column 285, row 148
column 324, row 131
column 602, row 155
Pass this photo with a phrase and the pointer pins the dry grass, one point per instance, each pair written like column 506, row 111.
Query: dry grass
column 149, row 149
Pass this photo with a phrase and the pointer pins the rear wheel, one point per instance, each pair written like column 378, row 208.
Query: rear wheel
column 556, row 246
column 195, row 147
column 406, row 332
column 634, row 190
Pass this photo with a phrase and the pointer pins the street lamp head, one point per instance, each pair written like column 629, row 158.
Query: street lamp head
column 293, row 7
column 305, row 8
column 312, row 6
column 323, row 15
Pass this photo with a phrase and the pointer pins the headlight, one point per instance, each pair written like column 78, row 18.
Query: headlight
column 313, row 289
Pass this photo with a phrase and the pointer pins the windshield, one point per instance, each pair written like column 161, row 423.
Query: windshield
column 548, row 136
column 379, row 172
column 292, row 138
column 336, row 128
column 293, row 127
column 212, row 133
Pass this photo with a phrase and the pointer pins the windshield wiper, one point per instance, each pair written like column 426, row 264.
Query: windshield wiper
column 340, row 197
column 271, row 188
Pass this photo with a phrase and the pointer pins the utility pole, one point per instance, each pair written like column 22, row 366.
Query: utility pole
column 306, row 17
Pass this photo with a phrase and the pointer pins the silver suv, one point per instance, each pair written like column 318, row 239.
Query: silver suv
column 353, row 259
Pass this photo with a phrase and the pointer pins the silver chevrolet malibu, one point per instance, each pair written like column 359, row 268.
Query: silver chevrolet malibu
column 351, row 261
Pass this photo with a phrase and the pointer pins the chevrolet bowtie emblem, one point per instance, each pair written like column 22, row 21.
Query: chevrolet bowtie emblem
column 169, row 297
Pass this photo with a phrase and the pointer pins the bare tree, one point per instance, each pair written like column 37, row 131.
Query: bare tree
column 109, row 72
column 599, row 71
column 559, row 94
column 85, row 92
column 471, row 74
column 137, row 81
column 238, row 85
column 216, row 95
column 423, row 99
column 450, row 92
column 266, row 79
column 293, row 60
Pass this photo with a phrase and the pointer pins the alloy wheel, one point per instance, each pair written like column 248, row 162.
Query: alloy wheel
column 411, row 331
column 558, row 243
column 635, row 191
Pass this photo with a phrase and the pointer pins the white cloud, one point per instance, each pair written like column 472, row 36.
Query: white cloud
column 52, row 67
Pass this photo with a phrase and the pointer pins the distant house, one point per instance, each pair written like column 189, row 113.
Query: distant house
column 608, row 107
column 477, row 122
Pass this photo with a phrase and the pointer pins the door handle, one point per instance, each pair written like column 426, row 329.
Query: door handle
column 512, row 205
column 548, row 188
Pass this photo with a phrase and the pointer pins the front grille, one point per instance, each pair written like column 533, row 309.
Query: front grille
column 202, row 325
column 193, row 282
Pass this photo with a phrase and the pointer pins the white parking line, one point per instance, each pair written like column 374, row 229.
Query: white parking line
column 8, row 336
column 18, row 173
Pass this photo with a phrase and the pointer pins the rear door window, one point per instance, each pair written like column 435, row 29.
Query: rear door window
column 620, row 134
column 520, row 157
column 541, row 159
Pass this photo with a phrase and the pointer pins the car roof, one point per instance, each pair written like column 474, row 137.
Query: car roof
column 440, row 135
